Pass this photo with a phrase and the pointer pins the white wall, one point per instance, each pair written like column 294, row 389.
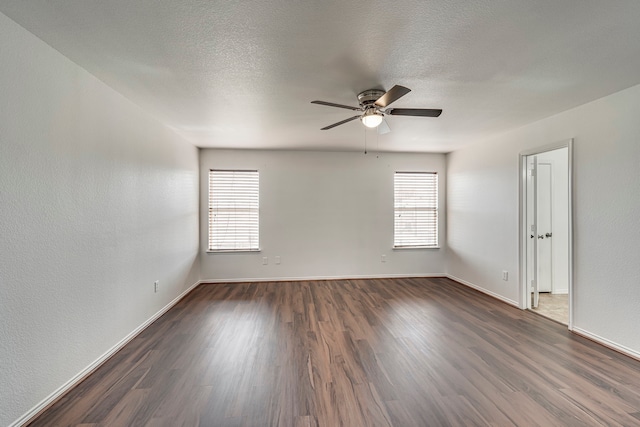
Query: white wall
column 97, row 200
column 481, row 181
column 326, row 214
column 483, row 212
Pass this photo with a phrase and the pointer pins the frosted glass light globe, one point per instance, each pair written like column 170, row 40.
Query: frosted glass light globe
column 371, row 119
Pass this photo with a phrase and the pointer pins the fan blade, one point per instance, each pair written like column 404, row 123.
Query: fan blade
column 331, row 104
column 383, row 128
column 340, row 123
column 392, row 95
column 418, row 112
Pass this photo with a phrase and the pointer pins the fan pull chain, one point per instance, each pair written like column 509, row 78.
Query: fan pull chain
column 365, row 140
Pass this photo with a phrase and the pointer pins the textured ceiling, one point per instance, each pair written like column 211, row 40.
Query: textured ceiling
column 241, row 74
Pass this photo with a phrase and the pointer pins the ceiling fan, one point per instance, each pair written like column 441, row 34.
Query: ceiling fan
column 373, row 107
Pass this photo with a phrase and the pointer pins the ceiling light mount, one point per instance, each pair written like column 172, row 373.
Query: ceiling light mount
column 369, row 96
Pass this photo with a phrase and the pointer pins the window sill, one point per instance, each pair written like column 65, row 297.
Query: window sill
column 234, row 251
column 404, row 248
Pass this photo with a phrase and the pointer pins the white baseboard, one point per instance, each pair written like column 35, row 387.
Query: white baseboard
column 307, row 278
column 607, row 343
column 33, row 412
column 483, row 290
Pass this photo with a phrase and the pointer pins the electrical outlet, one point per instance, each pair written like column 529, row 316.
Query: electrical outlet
column 383, row 258
column 278, row 259
column 156, row 284
column 505, row 275
column 265, row 260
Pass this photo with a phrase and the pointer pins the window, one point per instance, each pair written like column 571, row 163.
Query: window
column 233, row 210
column 415, row 210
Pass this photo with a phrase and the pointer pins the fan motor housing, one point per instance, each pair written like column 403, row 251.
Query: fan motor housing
column 368, row 97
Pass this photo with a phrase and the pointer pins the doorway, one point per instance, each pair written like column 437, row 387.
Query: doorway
column 546, row 240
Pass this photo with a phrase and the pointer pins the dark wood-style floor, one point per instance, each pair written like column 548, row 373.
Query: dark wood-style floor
column 402, row 352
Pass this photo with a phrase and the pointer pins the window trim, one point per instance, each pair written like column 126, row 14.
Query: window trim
column 436, row 209
column 209, row 217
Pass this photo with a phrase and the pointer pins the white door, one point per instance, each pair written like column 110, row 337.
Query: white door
column 544, row 227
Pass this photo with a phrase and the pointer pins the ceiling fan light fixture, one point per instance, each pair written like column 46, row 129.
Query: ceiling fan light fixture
column 373, row 107
column 371, row 119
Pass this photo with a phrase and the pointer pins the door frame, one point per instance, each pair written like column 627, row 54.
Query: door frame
column 524, row 233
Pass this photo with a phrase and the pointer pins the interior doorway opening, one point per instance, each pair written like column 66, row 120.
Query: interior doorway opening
column 546, row 237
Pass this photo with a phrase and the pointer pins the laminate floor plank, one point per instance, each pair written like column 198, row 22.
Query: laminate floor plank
column 371, row 352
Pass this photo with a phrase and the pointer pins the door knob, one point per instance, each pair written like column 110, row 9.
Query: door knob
column 540, row 236
column 532, row 236
column 548, row 235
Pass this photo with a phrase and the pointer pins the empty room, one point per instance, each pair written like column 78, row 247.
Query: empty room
column 280, row 213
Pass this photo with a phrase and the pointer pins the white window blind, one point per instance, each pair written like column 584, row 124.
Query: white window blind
column 233, row 210
column 415, row 209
